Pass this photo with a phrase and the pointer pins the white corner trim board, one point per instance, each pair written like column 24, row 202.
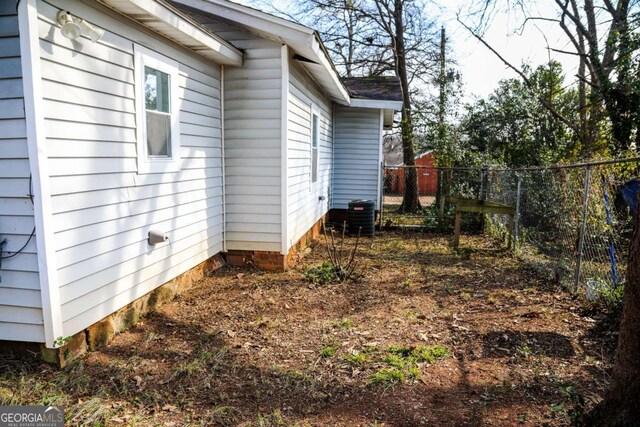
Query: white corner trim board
column 284, row 106
column 36, row 143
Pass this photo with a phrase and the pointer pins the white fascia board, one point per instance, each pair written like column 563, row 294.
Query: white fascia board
column 376, row 103
column 38, row 165
column 223, row 52
column 340, row 93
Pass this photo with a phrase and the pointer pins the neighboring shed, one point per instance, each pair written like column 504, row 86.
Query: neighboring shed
column 427, row 176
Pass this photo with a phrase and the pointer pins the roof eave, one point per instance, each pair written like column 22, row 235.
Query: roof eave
column 173, row 24
column 300, row 39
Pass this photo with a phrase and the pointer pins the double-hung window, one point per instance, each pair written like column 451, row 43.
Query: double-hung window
column 157, row 112
column 315, row 137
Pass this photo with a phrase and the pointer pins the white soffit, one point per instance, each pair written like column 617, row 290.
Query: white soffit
column 173, row 24
column 376, row 103
column 302, row 40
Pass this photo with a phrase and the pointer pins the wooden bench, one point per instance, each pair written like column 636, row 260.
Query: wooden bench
column 463, row 204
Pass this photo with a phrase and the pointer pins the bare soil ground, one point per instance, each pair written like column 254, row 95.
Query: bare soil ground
column 245, row 347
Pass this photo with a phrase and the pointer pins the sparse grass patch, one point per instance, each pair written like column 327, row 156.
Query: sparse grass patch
column 430, row 354
column 395, row 361
column 359, row 359
column 329, row 351
column 403, row 362
column 387, row 377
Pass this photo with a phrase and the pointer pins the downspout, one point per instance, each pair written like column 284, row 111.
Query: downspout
column 224, row 171
column 380, row 157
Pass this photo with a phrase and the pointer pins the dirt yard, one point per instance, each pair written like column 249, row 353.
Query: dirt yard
column 425, row 337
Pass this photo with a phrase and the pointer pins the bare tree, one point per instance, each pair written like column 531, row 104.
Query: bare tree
column 604, row 37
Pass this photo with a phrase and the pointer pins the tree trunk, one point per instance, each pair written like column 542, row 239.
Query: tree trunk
column 410, row 201
column 621, row 406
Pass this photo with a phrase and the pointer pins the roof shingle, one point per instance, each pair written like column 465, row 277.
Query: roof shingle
column 386, row 88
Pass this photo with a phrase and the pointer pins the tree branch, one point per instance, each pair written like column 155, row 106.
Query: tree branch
column 525, row 79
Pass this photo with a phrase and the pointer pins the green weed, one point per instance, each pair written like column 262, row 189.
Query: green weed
column 359, row 359
column 429, row 354
column 329, row 351
column 387, row 377
column 344, row 324
column 321, row 274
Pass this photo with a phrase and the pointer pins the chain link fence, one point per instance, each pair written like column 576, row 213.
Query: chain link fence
column 572, row 222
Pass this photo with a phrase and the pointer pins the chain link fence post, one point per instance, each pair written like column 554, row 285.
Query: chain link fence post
column 583, row 225
column 516, row 219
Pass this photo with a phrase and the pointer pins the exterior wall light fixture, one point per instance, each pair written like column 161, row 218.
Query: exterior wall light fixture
column 73, row 27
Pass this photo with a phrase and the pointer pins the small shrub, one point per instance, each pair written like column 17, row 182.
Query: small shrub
column 343, row 261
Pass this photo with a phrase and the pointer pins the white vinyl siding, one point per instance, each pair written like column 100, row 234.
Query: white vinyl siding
column 304, row 205
column 102, row 207
column 252, row 126
column 20, row 300
column 356, row 155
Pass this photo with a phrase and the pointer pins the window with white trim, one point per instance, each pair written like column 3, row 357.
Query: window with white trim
column 157, row 112
column 315, row 137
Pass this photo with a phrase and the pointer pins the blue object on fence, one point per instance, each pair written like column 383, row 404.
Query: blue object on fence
column 612, row 249
column 630, row 193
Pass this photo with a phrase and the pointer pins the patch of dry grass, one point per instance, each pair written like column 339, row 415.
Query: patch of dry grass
column 474, row 335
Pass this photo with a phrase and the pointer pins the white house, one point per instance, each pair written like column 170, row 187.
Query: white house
column 223, row 128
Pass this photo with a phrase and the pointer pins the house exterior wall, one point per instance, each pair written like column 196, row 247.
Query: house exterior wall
column 21, row 317
column 358, row 141
column 253, row 140
column 102, row 207
column 304, row 207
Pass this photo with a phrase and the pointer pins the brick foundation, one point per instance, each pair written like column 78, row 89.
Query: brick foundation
column 101, row 333
column 275, row 261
